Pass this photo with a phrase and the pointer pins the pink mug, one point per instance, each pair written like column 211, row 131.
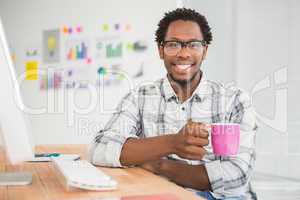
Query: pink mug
column 225, row 138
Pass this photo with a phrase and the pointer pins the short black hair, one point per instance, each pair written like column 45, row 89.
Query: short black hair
column 185, row 14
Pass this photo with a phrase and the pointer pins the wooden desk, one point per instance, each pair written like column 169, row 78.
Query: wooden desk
column 46, row 185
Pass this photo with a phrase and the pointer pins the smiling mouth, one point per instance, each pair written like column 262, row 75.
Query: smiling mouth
column 182, row 67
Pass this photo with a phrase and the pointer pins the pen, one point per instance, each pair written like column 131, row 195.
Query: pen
column 37, row 155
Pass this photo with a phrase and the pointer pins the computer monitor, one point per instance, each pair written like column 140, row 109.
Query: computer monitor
column 17, row 140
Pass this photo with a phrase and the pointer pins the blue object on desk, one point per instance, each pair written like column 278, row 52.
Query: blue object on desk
column 47, row 155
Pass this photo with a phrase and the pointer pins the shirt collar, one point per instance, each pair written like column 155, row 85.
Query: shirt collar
column 168, row 92
column 200, row 92
column 203, row 89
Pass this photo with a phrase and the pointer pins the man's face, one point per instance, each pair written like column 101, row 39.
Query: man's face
column 185, row 65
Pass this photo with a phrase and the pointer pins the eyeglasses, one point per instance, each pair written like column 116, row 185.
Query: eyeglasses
column 173, row 47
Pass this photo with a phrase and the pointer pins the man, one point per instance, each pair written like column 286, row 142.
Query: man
column 164, row 127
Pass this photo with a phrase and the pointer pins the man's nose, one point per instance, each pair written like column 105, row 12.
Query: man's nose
column 184, row 52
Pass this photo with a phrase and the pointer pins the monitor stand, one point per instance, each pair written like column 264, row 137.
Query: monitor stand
column 15, row 178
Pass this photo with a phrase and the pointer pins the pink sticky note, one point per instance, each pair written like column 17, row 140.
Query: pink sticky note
column 78, row 29
column 89, row 60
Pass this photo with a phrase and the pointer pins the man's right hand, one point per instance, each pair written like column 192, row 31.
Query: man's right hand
column 189, row 141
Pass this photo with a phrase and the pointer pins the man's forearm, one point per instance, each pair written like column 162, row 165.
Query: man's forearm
column 192, row 176
column 139, row 151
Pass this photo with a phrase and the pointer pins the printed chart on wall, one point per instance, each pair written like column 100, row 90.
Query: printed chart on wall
column 73, row 57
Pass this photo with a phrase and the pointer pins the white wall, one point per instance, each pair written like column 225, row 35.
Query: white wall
column 293, row 90
column 266, row 65
column 220, row 64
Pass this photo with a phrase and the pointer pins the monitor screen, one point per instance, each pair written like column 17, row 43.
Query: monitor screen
column 16, row 136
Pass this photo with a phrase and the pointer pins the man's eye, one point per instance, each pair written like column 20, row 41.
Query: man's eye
column 195, row 45
column 173, row 45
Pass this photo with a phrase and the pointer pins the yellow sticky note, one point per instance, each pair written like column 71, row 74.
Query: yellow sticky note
column 105, row 27
column 31, row 70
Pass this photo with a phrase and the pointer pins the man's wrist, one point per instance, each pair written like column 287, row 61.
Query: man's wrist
column 160, row 166
column 171, row 143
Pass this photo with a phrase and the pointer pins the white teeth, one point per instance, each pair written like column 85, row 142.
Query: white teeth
column 183, row 67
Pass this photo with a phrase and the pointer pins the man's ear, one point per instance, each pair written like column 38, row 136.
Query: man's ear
column 161, row 51
column 204, row 52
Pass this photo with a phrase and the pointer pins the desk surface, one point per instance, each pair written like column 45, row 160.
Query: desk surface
column 46, row 185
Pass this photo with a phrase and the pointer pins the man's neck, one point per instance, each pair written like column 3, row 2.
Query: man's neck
column 185, row 91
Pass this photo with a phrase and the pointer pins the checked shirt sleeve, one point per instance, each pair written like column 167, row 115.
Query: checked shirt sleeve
column 106, row 146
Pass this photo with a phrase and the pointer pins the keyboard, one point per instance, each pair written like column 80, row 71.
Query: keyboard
column 82, row 174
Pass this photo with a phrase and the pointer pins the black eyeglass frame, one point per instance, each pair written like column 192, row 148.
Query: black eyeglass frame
column 184, row 44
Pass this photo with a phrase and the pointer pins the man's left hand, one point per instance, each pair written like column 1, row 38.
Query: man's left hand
column 152, row 166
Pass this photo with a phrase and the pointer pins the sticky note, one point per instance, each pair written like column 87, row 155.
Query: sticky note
column 88, row 60
column 31, row 70
column 65, row 29
column 79, row 29
column 105, row 27
column 130, row 46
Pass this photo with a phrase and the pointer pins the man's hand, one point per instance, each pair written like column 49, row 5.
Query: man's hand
column 190, row 140
column 192, row 176
column 156, row 165
column 152, row 166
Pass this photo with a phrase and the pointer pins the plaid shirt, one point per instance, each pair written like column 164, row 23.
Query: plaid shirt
column 154, row 109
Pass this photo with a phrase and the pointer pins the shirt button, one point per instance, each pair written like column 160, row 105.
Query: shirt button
column 198, row 99
column 183, row 108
